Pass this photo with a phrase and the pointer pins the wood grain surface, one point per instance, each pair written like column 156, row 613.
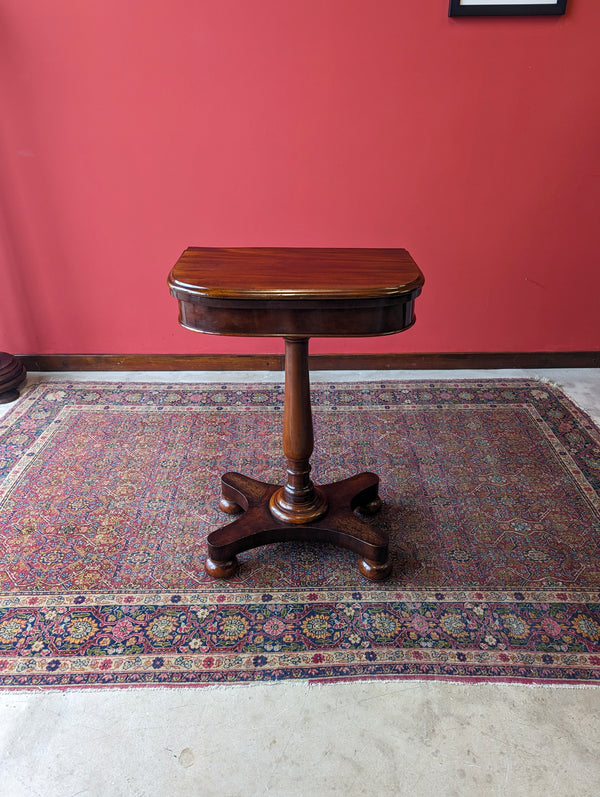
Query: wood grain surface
column 307, row 273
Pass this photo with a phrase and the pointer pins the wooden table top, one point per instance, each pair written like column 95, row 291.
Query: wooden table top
column 295, row 273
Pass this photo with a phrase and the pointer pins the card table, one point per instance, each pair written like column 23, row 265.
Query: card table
column 296, row 294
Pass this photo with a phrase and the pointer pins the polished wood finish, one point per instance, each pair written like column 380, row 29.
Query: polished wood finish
column 318, row 362
column 298, row 500
column 342, row 524
column 291, row 273
column 295, row 294
column 12, row 375
column 306, row 292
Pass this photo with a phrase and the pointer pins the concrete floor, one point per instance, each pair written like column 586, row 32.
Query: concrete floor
column 372, row 738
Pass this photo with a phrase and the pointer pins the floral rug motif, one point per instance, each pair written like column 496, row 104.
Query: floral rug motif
column 491, row 498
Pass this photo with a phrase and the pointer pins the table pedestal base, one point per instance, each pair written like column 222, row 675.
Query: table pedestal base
column 12, row 374
column 338, row 524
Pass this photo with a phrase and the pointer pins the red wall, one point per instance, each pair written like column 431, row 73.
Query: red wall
column 133, row 129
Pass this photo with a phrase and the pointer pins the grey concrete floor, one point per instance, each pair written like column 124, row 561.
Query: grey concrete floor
column 371, row 738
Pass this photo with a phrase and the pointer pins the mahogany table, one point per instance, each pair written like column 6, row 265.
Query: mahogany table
column 297, row 294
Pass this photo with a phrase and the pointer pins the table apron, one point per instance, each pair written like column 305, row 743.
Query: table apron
column 311, row 318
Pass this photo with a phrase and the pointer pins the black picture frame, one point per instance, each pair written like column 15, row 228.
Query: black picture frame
column 485, row 8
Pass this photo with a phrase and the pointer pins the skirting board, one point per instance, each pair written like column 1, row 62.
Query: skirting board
column 318, row 362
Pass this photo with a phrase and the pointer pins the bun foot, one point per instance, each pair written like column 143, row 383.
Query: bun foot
column 221, row 569
column 375, row 571
column 371, row 508
column 230, row 507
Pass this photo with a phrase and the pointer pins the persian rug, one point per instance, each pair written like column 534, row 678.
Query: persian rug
column 491, row 498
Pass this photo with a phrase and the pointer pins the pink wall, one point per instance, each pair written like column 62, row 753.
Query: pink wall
column 133, row 129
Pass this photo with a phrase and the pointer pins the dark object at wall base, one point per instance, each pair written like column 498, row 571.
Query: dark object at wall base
column 12, row 374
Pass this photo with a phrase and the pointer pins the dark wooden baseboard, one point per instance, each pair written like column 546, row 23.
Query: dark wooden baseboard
column 318, row 362
column 153, row 362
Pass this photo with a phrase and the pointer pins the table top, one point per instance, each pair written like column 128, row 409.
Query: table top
column 295, row 273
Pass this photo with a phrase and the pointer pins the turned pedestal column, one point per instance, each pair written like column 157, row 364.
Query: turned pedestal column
column 298, row 501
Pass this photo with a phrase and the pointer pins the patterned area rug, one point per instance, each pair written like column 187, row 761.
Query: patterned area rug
column 491, row 496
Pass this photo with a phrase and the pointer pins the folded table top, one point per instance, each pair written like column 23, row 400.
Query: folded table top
column 296, row 291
